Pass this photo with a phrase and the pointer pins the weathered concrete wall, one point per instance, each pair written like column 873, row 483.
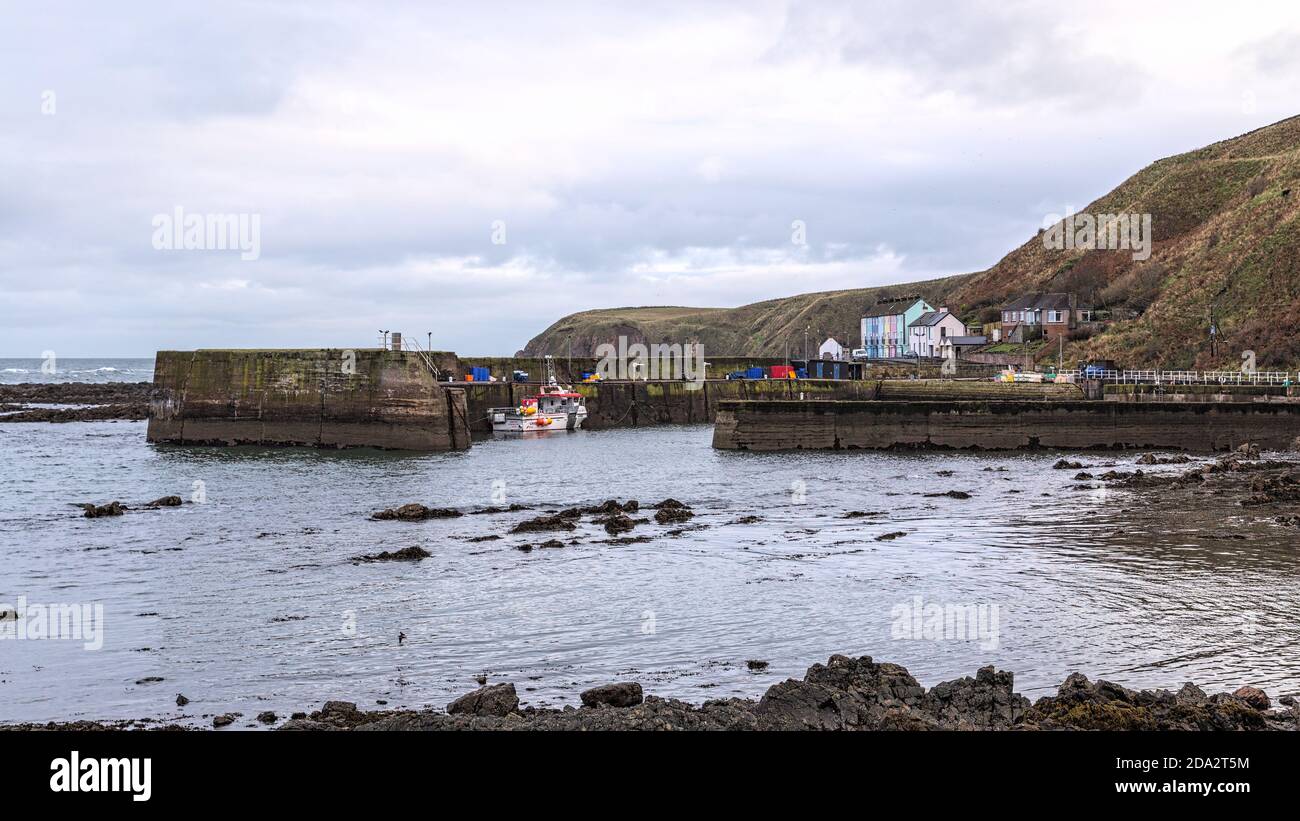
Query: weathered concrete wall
column 322, row 398
column 1000, row 425
column 1200, row 393
column 635, row 404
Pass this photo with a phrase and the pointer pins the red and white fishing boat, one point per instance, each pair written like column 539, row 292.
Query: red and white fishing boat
column 554, row 407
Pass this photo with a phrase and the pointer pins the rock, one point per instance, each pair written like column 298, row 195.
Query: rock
column 1287, row 701
column 672, row 515
column 481, row 679
column 492, row 700
column 1152, row 459
column 1247, row 450
column 756, row 664
column 490, row 538
column 415, row 512
column 1190, row 694
column 1268, row 490
column 338, row 712
column 181, row 700
column 618, row 523
column 622, row 694
column 611, row 507
column 267, row 717
column 888, row 537
column 166, row 501
column 551, row 544
column 150, row 680
column 1066, row 464
column 542, row 524
column 96, row 511
column 843, row 694
column 1083, row 474
column 670, row 503
column 986, row 702
column 1253, row 696
column 951, row 494
column 861, row 514
column 626, row 540
column 223, row 720
column 525, row 548
column 406, row 554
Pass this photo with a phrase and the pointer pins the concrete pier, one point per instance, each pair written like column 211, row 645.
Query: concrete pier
column 1003, row 425
column 325, row 398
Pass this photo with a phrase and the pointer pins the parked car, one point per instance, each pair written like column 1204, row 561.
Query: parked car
column 859, row 354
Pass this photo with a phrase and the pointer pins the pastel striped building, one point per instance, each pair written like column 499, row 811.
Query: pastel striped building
column 885, row 324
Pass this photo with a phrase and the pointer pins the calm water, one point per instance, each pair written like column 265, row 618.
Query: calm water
column 68, row 369
column 244, row 602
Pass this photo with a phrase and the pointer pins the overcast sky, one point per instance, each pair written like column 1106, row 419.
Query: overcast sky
column 626, row 155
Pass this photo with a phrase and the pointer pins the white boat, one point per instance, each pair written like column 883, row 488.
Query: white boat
column 554, row 407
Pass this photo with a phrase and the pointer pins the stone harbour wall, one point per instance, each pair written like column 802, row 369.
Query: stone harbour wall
column 330, row 398
column 1003, row 425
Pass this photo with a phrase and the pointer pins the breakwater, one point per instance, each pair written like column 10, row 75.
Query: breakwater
column 641, row 403
column 319, row 397
column 401, row 400
column 1003, row 425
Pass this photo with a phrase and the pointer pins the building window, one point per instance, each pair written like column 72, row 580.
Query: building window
column 1055, row 316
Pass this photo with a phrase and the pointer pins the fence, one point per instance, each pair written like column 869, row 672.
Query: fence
column 1158, row 377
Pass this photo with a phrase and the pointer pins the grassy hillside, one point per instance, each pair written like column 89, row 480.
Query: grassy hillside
column 1227, row 245
column 759, row 329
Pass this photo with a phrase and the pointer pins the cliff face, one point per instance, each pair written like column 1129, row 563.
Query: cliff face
column 321, row 398
column 1226, row 246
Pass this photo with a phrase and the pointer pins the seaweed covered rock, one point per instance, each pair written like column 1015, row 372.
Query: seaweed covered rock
column 92, row 511
column 543, row 524
column 406, row 554
column 672, row 515
column 415, row 512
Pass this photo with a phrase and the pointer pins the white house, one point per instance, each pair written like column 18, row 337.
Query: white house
column 928, row 334
column 830, row 349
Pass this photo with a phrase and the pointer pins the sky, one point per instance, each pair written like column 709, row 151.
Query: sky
column 475, row 171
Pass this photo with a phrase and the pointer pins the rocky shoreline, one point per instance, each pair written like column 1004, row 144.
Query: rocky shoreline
column 94, row 402
column 842, row 694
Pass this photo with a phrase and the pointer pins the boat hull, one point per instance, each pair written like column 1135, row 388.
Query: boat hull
column 536, row 423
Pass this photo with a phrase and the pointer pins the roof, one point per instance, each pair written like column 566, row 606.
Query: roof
column 1039, row 302
column 890, row 307
column 933, row 318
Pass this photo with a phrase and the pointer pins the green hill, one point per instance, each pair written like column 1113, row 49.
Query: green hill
column 1227, row 246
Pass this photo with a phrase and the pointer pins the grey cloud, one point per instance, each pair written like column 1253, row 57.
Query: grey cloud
column 996, row 51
